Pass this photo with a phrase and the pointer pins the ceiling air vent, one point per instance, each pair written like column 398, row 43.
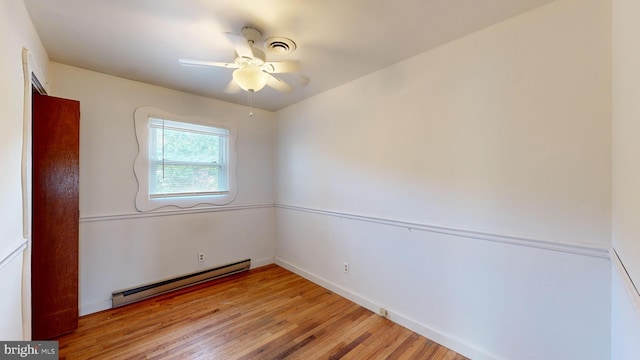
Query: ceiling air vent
column 279, row 45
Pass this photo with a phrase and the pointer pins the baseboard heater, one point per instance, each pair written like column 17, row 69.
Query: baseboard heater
column 127, row 296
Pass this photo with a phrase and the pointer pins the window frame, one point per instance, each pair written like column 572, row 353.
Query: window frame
column 144, row 201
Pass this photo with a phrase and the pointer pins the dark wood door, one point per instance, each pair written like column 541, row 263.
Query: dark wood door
column 55, row 214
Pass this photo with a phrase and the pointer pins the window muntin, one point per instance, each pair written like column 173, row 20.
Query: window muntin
column 183, row 161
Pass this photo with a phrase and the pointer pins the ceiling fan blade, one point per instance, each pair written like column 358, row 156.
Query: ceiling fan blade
column 189, row 62
column 277, row 67
column 241, row 45
column 278, row 84
column 232, row 88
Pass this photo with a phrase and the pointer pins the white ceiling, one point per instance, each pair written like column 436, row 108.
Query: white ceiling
column 338, row 40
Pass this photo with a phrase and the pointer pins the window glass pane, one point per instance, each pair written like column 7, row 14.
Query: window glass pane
column 172, row 179
column 186, row 146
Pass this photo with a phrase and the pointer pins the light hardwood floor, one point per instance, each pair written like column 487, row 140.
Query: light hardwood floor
column 266, row 313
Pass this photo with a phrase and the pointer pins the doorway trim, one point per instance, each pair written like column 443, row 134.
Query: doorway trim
column 33, row 77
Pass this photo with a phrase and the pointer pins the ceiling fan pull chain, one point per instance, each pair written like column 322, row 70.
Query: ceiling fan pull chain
column 250, row 104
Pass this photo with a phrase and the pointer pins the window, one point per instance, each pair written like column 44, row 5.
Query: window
column 183, row 161
column 186, row 159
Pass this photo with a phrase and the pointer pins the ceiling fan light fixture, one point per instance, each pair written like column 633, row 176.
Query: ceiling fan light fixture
column 250, row 78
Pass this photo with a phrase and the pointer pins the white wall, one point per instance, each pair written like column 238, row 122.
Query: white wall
column 503, row 135
column 16, row 32
column 121, row 248
column 625, row 315
column 626, row 177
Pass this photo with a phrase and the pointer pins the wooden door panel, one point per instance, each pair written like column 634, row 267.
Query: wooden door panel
column 55, row 214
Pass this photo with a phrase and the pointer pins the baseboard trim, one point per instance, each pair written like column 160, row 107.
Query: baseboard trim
column 400, row 319
column 566, row 247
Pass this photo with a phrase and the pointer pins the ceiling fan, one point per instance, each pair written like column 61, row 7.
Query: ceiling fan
column 252, row 71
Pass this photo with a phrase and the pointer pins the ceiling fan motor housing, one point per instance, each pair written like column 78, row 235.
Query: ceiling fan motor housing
column 251, row 34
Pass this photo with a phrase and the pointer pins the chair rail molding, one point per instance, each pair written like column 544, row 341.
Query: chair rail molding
column 567, row 247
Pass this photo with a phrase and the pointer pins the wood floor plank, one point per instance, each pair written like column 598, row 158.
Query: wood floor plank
column 266, row 313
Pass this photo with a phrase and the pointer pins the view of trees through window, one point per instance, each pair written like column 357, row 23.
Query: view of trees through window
column 186, row 159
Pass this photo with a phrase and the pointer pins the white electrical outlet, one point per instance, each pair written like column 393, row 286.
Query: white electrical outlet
column 346, row 267
column 200, row 257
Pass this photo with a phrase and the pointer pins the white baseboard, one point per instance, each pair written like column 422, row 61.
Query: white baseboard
column 400, row 319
